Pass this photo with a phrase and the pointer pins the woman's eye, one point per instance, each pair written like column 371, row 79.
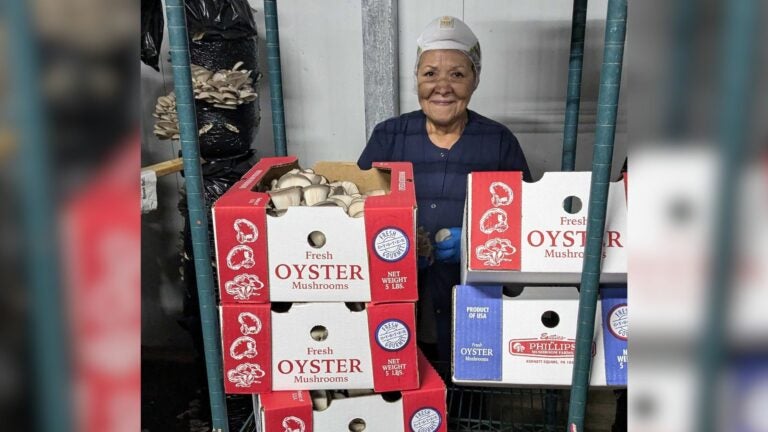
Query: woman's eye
column 458, row 75
column 429, row 74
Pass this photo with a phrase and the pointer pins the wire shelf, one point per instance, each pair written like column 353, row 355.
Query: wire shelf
column 499, row 409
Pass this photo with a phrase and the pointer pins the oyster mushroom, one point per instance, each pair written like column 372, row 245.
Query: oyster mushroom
column 356, row 206
column 336, row 190
column 290, row 180
column 287, row 197
column 315, row 193
column 329, row 203
column 321, row 399
column 344, row 200
column 314, row 178
column 349, row 187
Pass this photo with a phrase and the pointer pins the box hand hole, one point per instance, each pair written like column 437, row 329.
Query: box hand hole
column 316, row 239
column 280, row 307
column 550, row 319
column 512, row 290
column 572, row 204
column 357, row 425
column 319, row 333
column 355, row 306
column 391, row 396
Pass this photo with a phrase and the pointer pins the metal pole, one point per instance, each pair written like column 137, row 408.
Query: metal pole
column 607, row 107
column 677, row 89
column 380, row 70
column 50, row 365
column 738, row 54
column 275, row 77
column 198, row 216
column 573, row 93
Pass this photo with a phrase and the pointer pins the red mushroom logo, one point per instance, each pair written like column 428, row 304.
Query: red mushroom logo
column 249, row 323
column 240, row 256
column 494, row 219
column 495, row 251
column 245, row 375
column 293, row 424
column 246, row 231
column 243, row 347
column 244, row 286
column 501, row 194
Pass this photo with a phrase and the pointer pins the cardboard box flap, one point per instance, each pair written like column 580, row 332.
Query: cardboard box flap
column 430, row 379
column 288, row 399
column 251, row 189
column 544, row 293
column 380, row 176
column 366, row 180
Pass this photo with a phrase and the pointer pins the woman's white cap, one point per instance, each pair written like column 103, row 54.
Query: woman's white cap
column 449, row 32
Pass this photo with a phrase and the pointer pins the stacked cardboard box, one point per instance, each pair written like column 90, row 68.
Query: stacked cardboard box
column 420, row 410
column 533, row 235
column 318, row 297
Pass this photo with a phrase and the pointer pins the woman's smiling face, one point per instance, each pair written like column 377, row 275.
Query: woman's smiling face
column 446, row 81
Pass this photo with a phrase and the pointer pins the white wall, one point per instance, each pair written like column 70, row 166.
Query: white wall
column 525, row 68
column 322, row 63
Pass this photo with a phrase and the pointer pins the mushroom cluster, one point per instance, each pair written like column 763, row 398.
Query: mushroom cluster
column 167, row 123
column 305, row 188
column 226, row 89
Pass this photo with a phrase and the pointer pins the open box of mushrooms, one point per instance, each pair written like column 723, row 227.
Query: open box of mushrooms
column 331, row 232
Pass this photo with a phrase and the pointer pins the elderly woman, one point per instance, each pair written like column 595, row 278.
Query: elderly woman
column 445, row 141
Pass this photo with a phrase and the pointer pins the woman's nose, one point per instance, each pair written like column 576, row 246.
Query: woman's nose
column 443, row 85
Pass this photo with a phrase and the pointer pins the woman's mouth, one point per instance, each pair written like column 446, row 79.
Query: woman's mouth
column 442, row 102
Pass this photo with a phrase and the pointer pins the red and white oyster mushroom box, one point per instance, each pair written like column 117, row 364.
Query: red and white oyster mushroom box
column 309, row 346
column 521, row 232
column 318, row 253
column 420, row 410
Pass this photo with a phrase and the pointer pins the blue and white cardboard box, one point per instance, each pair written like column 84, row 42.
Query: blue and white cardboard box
column 530, row 339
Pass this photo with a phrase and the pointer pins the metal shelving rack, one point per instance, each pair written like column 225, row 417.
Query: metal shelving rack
column 461, row 411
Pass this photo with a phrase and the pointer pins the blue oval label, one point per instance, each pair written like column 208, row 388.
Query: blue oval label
column 391, row 244
column 426, row 420
column 392, row 335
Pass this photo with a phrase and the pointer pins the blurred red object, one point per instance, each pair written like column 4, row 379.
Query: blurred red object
column 103, row 295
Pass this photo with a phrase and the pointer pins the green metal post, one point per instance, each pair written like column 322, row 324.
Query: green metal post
column 198, row 216
column 738, row 54
column 570, row 133
column 608, row 102
column 573, row 93
column 678, row 88
column 275, row 77
column 52, row 391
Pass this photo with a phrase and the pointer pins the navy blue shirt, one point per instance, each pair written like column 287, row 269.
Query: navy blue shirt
column 440, row 175
column 441, row 187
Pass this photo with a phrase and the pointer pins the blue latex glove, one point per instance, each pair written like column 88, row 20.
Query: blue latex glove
column 449, row 250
